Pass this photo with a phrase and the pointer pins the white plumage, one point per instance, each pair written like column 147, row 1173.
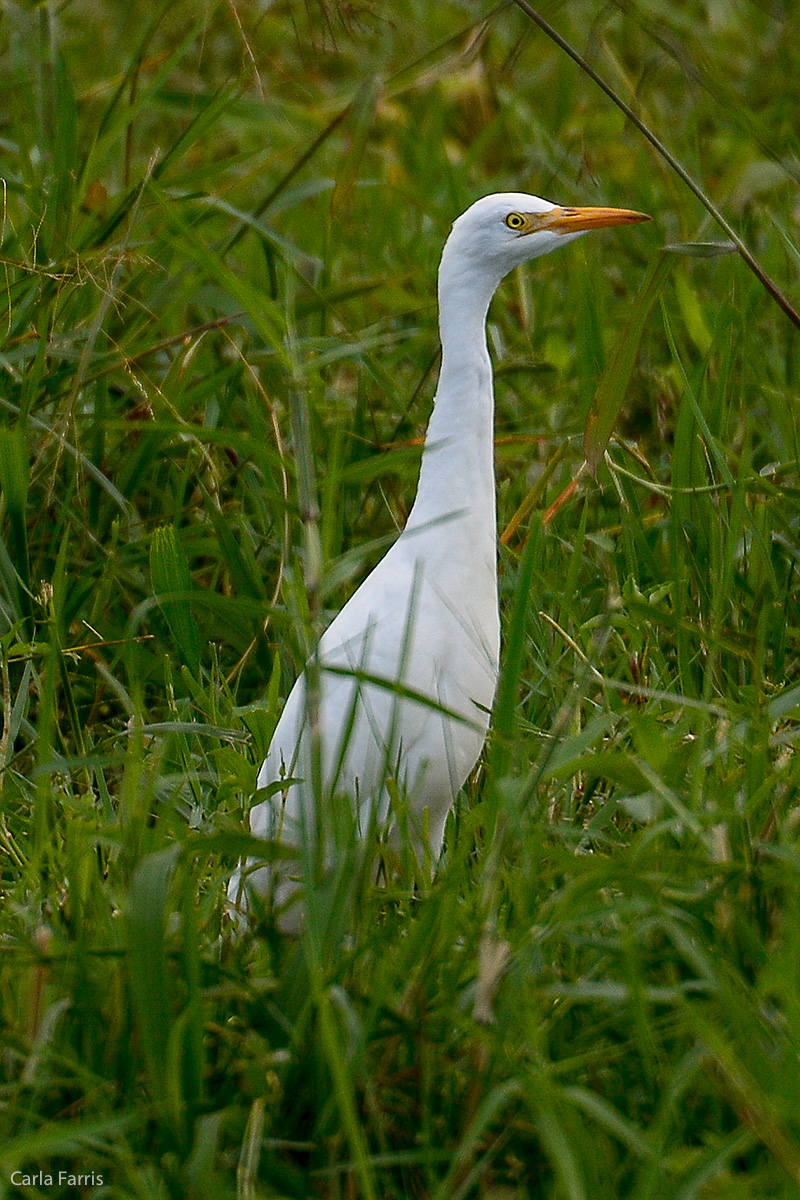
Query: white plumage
column 427, row 617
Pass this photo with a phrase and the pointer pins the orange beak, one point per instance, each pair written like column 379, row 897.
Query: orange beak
column 576, row 220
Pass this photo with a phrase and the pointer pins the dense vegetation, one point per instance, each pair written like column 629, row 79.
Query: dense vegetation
column 220, row 230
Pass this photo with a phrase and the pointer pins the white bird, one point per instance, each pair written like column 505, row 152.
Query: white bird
column 408, row 668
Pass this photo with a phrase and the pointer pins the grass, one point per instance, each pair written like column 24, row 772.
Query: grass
column 220, row 230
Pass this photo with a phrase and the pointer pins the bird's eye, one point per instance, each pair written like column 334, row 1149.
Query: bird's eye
column 515, row 221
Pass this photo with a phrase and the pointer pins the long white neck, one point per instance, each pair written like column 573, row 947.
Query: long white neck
column 457, row 480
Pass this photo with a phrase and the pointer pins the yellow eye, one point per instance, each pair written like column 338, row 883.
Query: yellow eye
column 515, row 221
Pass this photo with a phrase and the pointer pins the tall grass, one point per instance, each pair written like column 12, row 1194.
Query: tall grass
column 211, row 213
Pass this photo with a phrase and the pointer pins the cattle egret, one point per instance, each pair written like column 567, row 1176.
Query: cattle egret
column 408, row 668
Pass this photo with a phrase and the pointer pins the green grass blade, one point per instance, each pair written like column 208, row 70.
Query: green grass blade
column 172, row 586
column 505, row 707
column 610, row 395
column 15, row 482
column 147, row 961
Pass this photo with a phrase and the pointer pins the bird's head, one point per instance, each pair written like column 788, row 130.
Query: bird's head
column 502, row 231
